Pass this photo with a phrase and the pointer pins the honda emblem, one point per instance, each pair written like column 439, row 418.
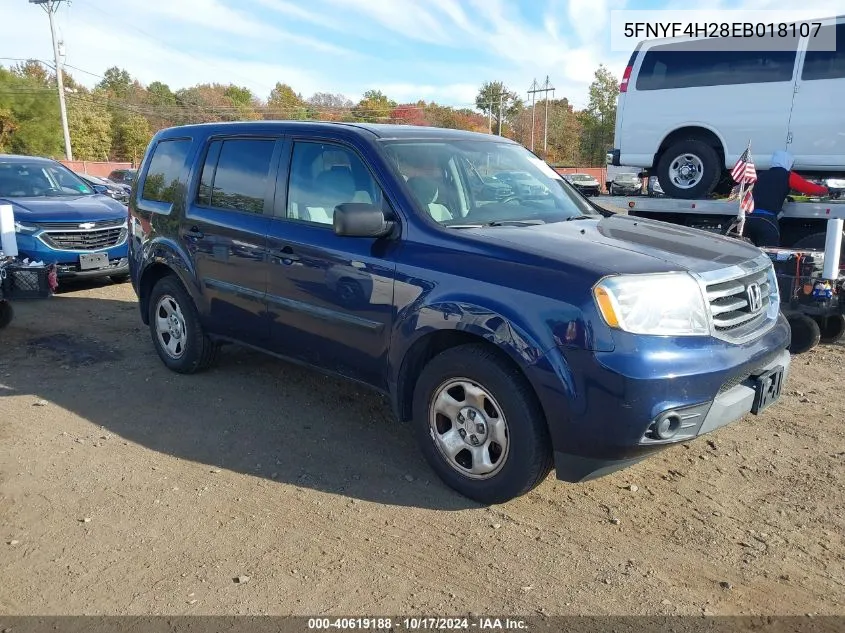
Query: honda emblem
column 755, row 298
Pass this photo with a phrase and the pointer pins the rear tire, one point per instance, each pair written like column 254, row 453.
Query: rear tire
column 705, row 169
column 832, row 329
column 805, row 334
column 512, row 453
column 176, row 330
column 816, row 241
column 7, row 313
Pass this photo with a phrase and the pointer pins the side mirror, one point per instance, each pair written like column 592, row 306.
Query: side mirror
column 100, row 189
column 358, row 219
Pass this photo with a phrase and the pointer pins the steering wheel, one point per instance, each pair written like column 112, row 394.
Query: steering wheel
column 509, row 199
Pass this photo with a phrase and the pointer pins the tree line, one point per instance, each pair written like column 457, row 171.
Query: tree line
column 115, row 120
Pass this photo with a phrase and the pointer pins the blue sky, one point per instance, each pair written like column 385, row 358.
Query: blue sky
column 440, row 50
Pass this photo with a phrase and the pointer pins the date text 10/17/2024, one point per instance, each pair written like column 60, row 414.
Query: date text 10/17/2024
column 481, row 624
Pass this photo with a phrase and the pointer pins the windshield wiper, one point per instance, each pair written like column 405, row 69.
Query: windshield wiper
column 514, row 223
column 579, row 217
column 463, row 226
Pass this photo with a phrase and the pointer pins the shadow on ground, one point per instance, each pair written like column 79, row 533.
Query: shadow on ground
column 250, row 413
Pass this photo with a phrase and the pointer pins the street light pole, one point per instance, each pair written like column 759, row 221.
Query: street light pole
column 50, row 7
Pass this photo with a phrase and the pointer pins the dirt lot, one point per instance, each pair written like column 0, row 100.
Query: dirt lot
column 127, row 489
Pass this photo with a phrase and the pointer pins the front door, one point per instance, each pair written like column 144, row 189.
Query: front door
column 330, row 298
column 817, row 124
column 225, row 229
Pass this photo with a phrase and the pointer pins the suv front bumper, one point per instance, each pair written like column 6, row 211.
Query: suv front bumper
column 602, row 407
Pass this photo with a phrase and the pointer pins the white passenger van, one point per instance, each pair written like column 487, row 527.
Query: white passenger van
column 688, row 107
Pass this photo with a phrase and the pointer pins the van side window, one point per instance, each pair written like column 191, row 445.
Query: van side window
column 236, row 174
column 161, row 183
column 705, row 63
column 323, row 176
column 819, row 64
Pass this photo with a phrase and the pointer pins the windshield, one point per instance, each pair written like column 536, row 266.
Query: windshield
column 25, row 179
column 461, row 183
column 581, row 177
column 628, row 177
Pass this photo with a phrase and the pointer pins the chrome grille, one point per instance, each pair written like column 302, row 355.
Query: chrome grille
column 75, row 226
column 84, row 240
column 733, row 316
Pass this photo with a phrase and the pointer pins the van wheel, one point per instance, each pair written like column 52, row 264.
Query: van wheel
column 175, row 327
column 480, row 426
column 832, row 329
column 805, row 334
column 689, row 169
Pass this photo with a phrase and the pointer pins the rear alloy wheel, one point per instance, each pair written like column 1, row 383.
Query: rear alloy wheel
column 176, row 330
column 689, row 169
column 479, row 425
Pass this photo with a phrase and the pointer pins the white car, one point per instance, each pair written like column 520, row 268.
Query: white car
column 688, row 108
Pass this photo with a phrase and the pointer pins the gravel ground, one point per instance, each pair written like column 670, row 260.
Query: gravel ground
column 261, row 487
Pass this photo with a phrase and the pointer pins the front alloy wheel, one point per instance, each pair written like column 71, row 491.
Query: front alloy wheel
column 469, row 428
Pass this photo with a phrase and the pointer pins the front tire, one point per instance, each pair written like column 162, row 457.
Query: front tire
column 689, row 169
column 805, row 334
column 832, row 329
column 479, row 425
column 176, row 330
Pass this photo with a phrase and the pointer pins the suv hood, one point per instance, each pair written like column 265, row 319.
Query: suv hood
column 624, row 244
column 66, row 209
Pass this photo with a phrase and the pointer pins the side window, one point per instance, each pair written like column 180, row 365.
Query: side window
column 162, row 181
column 236, row 174
column 707, row 63
column 323, row 176
column 820, row 64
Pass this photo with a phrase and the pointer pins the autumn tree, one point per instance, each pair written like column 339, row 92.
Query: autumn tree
column 373, row 107
column 32, row 69
column 410, row 114
column 285, row 103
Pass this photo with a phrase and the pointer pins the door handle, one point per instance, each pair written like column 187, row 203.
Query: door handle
column 194, row 232
column 285, row 254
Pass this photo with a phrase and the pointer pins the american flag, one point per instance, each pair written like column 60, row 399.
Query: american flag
column 746, row 205
column 744, row 171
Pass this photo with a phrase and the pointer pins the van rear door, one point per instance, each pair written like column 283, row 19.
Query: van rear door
column 817, row 122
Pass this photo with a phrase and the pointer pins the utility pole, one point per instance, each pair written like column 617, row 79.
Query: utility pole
column 546, row 89
column 490, row 116
column 501, row 97
column 50, row 7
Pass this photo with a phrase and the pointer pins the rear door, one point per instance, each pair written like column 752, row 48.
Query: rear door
column 817, row 124
column 225, row 230
column 330, row 298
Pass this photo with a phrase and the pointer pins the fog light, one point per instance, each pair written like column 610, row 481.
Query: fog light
column 667, row 425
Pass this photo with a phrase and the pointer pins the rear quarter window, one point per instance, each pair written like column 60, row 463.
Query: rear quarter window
column 163, row 179
column 825, row 64
column 711, row 63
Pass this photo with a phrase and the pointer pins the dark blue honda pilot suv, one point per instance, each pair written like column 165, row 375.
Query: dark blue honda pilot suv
column 515, row 331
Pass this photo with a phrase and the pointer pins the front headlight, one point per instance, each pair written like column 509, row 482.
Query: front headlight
column 670, row 304
column 23, row 227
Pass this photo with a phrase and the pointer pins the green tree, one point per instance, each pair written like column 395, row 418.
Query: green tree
column 599, row 118
column 29, row 116
column 132, row 135
column 159, row 94
column 373, row 107
column 496, row 101
column 116, row 81
column 90, row 126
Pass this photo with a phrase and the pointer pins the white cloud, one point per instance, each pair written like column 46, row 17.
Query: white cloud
column 460, row 93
